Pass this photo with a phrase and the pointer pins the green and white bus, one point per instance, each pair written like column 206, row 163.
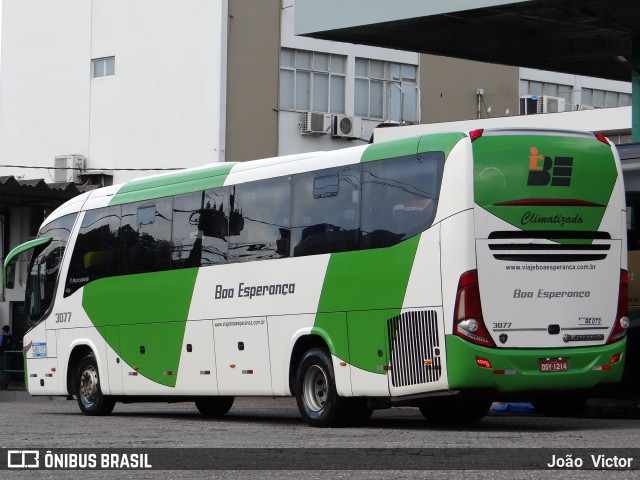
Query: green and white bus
column 443, row 272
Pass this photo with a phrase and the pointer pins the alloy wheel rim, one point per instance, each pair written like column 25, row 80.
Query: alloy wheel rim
column 315, row 388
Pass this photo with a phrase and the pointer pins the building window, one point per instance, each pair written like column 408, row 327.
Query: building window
column 532, row 87
column 386, row 90
column 605, row 99
column 590, row 97
column 103, row 67
column 312, row 81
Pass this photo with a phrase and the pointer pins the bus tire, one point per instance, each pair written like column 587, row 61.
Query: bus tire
column 562, row 406
column 88, row 392
column 316, row 394
column 453, row 410
column 214, row 407
column 359, row 411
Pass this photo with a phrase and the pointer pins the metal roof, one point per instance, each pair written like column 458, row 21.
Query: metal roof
column 30, row 193
column 585, row 37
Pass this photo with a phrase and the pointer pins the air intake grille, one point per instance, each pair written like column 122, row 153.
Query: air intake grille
column 415, row 349
column 516, row 250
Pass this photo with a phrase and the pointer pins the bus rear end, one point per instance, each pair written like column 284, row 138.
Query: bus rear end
column 545, row 310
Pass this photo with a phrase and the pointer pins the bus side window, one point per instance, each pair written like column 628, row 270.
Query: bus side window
column 326, row 211
column 259, row 223
column 399, row 197
column 145, row 236
column 95, row 254
column 200, row 228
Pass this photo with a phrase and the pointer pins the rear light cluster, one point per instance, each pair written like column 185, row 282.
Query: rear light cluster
column 622, row 320
column 615, row 359
column 476, row 134
column 602, row 138
column 468, row 321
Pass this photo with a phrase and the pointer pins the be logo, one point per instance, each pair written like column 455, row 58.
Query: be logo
column 544, row 170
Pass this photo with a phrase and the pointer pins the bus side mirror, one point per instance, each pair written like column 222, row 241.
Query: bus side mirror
column 10, row 276
column 11, row 260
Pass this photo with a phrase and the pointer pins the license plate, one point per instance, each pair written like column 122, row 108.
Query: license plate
column 554, row 364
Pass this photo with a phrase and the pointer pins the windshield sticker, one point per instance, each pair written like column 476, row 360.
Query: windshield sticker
column 39, row 349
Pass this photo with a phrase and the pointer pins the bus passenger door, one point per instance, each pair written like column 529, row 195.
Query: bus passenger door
column 242, row 356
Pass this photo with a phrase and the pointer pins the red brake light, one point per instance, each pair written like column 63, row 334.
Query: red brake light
column 467, row 318
column 602, row 138
column 476, row 134
column 483, row 362
column 622, row 321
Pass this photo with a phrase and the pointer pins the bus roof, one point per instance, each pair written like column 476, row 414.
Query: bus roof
column 231, row 173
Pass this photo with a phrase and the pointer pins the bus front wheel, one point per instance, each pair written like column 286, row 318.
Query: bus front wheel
column 316, row 394
column 89, row 394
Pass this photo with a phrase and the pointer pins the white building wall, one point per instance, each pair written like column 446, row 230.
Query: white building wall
column 163, row 108
column 44, row 87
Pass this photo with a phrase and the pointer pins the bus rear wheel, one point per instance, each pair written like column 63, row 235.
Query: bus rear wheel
column 562, row 406
column 88, row 392
column 452, row 410
column 316, row 394
column 213, row 407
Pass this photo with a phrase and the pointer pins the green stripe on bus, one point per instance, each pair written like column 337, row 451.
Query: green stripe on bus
column 143, row 318
column 172, row 184
column 370, row 286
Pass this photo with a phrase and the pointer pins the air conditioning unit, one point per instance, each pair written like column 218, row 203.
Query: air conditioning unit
column 528, row 105
column 314, row 122
column 548, row 104
column 68, row 168
column 346, row 127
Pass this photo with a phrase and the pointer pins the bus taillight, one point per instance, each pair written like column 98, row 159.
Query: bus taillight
column 622, row 320
column 468, row 321
column 476, row 134
column 602, row 138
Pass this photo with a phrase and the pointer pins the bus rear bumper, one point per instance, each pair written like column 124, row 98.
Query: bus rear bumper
column 471, row 366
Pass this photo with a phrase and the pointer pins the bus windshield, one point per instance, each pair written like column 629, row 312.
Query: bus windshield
column 44, row 267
